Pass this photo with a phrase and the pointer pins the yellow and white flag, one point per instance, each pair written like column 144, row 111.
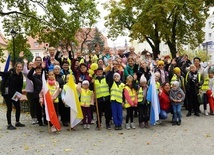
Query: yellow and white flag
column 71, row 99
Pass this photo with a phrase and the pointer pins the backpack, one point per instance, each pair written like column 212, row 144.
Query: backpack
column 5, row 84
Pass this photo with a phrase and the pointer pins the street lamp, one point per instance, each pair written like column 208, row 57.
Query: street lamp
column 13, row 34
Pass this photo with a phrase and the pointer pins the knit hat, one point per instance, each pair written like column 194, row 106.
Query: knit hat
column 116, row 74
column 175, row 83
column 57, row 66
column 160, row 62
column 143, row 79
column 177, row 70
column 85, row 82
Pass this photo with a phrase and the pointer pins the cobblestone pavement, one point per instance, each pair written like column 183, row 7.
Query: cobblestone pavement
column 194, row 136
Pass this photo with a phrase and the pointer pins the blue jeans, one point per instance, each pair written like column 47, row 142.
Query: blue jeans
column 117, row 113
column 177, row 112
column 164, row 114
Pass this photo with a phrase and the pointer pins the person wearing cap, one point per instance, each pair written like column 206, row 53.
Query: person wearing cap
column 177, row 97
column 86, row 100
column 103, row 98
column 116, row 97
column 164, row 75
column 143, row 106
column 178, row 77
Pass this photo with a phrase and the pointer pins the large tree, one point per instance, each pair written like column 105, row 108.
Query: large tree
column 50, row 20
column 176, row 22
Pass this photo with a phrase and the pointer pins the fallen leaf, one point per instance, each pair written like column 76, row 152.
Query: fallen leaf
column 120, row 133
column 67, row 150
column 148, row 143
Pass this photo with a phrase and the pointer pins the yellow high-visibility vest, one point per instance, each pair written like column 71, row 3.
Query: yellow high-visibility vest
column 117, row 92
column 102, row 88
column 85, row 97
column 132, row 94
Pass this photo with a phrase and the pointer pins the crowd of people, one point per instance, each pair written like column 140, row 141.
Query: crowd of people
column 120, row 82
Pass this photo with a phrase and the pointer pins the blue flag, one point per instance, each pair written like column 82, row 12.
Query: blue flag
column 7, row 64
column 152, row 96
column 6, row 67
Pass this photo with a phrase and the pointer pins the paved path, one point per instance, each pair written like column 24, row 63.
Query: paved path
column 194, row 136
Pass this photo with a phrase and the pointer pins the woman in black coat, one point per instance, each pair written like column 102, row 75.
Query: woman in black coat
column 12, row 82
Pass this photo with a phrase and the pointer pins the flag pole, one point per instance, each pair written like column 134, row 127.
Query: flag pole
column 97, row 110
column 49, row 128
column 70, row 120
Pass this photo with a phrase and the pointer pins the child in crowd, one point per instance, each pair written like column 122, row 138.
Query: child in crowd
column 210, row 90
column 143, row 107
column 176, row 96
column 157, row 78
column 53, row 87
column 117, row 101
column 130, row 96
column 86, row 99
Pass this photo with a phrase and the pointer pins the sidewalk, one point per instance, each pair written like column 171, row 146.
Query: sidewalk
column 194, row 136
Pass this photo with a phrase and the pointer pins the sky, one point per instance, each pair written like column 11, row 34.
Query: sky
column 120, row 41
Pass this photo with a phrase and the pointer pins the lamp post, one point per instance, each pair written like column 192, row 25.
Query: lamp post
column 13, row 34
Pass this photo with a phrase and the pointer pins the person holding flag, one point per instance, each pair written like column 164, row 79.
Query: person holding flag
column 47, row 99
column 152, row 96
column 70, row 98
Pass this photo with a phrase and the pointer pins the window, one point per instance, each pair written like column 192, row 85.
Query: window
column 210, row 24
column 36, row 54
column 210, row 36
column 36, row 44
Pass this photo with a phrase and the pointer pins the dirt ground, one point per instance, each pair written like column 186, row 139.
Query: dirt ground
column 194, row 136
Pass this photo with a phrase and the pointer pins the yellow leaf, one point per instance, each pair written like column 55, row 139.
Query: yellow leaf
column 67, row 150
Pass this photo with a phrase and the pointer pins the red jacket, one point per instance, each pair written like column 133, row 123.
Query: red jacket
column 164, row 101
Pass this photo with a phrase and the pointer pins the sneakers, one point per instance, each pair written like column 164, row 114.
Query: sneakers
column 34, row 121
column 174, row 123
column 18, row 124
column 53, row 129
column 141, row 125
column 108, row 127
column 158, row 122
column 128, row 126
column 197, row 114
column 11, row 127
column 84, row 126
column 65, row 124
column 189, row 114
column 179, row 122
column 132, row 125
column 206, row 113
column 88, row 126
column 146, row 125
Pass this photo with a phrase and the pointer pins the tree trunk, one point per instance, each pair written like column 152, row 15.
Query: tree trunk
column 155, row 47
column 172, row 48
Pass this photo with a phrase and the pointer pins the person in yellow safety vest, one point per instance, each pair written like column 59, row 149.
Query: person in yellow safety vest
column 86, row 100
column 207, row 89
column 143, row 106
column 116, row 92
column 130, row 96
column 101, row 89
column 178, row 77
column 193, row 82
column 54, row 89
